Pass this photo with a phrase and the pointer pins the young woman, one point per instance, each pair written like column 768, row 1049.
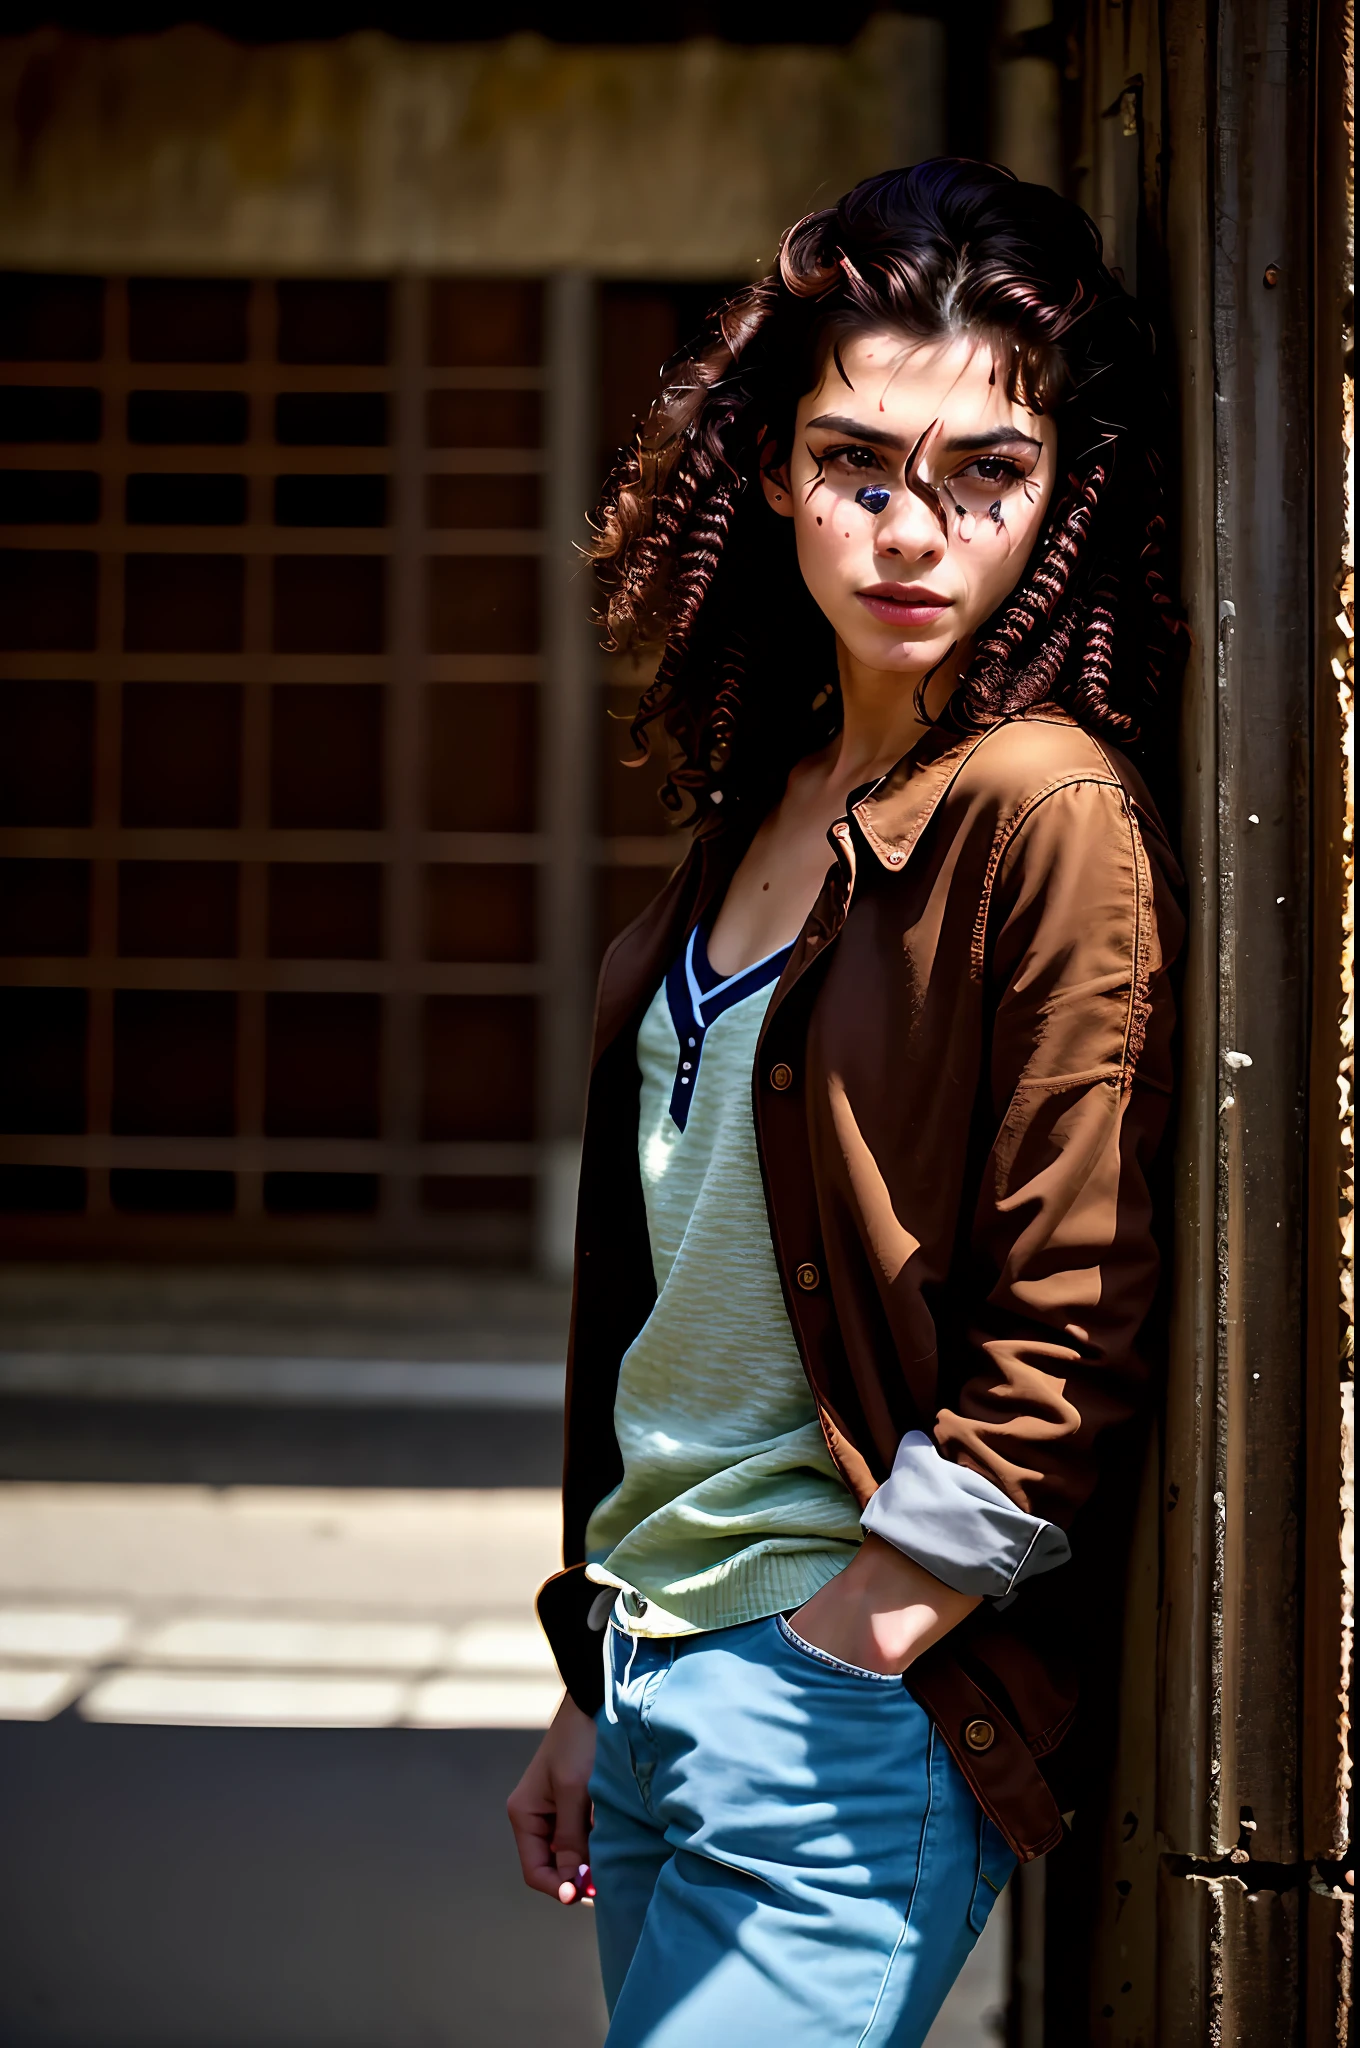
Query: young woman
column 864, row 1238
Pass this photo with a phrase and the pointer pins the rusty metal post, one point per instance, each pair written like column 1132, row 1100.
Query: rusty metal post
column 1240, row 226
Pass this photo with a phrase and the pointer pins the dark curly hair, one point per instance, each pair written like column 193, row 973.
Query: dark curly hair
column 684, row 539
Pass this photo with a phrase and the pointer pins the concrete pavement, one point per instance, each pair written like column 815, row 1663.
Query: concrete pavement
column 268, row 1665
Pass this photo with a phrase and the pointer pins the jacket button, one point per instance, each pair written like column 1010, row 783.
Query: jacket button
column 808, row 1277
column 781, row 1077
column 979, row 1736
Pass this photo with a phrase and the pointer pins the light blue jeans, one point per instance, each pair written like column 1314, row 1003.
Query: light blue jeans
column 784, row 1851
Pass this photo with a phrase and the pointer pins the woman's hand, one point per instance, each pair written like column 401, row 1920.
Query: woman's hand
column 882, row 1611
column 549, row 1809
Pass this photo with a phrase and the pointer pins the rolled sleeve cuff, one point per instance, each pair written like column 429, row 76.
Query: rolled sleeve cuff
column 958, row 1525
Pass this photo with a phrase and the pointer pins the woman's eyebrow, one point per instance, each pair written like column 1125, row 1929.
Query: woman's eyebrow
column 994, row 437
column 957, row 444
column 838, row 423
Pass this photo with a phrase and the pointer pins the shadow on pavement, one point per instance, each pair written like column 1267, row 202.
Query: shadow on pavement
column 180, row 1444
column 266, row 1888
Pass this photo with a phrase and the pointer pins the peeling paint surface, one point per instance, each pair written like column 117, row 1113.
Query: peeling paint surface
column 187, row 151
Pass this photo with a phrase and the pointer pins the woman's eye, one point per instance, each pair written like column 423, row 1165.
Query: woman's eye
column 853, row 458
column 992, row 469
column 986, row 481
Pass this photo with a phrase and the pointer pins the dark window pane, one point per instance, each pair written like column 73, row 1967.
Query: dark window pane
column 627, row 796
column 326, row 757
column 46, row 753
column 50, row 319
column 320, row 1194
column 321, row 1066
column 638, row 332
column 174, row 1063
column 187, row 320
column 177, row 909
column 49, row 413
column 183, row 604
column 483, row 604
column 325, row 910
column 142, row 1191
column 210, row 419
column 477, row 321
column 467, row 1194
column 332, row 323
column 44, row 907
column 482, row 757
column 181, row 754
column 484, row 419
column 331, row 419
column 480, row 912
column 640, row 327
column 48, row 598
column 42, row 1191
column 330, row 501
column 621, row 895
column 483, row 501
column 42, row 1059
column 170, row 500
column 48, row 497
column 330, row 604
column 479, row 1067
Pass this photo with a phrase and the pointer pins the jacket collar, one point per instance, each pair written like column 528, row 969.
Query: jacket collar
column 894, row 813
column 891, row 814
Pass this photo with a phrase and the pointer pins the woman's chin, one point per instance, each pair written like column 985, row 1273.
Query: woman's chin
column 897, row 653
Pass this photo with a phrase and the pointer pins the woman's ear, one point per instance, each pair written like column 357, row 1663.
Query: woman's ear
column 774, row 481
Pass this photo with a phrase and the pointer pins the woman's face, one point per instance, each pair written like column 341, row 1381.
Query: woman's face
column 917, row 489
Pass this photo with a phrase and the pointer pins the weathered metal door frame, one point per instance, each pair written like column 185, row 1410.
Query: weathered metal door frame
column 1215, row 155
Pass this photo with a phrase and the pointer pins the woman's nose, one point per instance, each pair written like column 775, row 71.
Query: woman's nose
column 909, row 527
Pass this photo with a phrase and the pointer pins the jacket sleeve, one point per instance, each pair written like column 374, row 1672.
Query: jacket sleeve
column 1061, row 1264
column 958, row 1525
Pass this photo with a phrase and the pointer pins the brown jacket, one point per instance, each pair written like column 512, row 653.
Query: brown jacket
column 962, row 1078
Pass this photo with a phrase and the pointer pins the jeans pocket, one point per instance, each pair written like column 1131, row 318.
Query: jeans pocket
column 996, row 1862
column 829, row 1663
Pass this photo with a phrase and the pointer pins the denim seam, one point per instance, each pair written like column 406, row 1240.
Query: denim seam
column 798, row 1642
column 651, row 1687
column 915, row 1888
column 981, row 1873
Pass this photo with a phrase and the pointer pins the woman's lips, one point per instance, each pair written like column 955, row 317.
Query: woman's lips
column 897, row 605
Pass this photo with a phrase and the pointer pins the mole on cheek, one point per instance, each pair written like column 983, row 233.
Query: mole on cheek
column 819, row 521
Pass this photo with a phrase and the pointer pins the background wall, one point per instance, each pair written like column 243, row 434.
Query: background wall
column 189, row 150
column 312, row 357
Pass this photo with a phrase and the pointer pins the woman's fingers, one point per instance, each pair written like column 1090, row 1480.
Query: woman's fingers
column 532, row 1825
column 571, row 1839
column 549, row 1809
column 551, row 1824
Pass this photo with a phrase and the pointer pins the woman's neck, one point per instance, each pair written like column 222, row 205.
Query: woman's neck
column 880, row 721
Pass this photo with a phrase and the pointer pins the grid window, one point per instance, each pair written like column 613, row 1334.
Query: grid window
column 277, row 676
